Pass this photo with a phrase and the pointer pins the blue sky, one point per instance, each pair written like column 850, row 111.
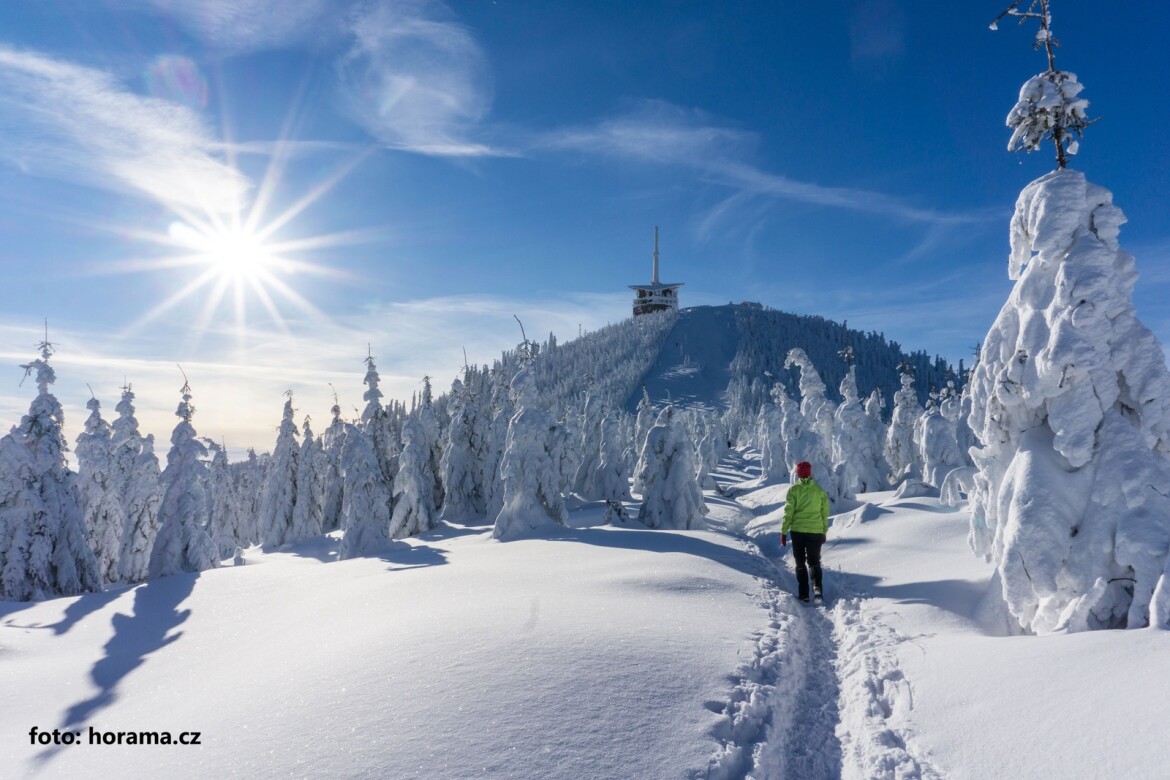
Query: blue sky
column 404, row 177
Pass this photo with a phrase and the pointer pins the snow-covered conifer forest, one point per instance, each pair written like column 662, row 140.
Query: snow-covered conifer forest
column 569, row 564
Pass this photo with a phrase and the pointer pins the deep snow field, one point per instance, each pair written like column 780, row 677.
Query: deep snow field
column 595, row 652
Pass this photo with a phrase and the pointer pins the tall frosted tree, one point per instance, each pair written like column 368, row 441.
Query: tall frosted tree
column 309, row 508
column 182, row 544
column 143, row 498
column 278, row 497
column 333, row 481
column 43, row 548
column 414, row 508
column 901, row 451
column 613, row 474
column 1071, row 401
column 225, row 519
column 103, row 515
column 804, row 437
column 463, row 497
column 365, row 508
column 938, row 443
column 855, row 451
column 531, row 476
column 671, row 496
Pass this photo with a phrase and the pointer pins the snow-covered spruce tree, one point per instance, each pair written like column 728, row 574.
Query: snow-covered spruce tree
column 332, row 446
column 463, row 498
column 644, row 421
column 588, row 446
column 808, row 435
column 901, row 452
column 366, row 503
column 855, row 452
column 249, row 478
column 143, row 498
column 612, row 480
column 1048, row 108
column 767, row 441
column 528, row 470
column 43, row 549
column 1071, row 400
column 182, row 544
column 225, row 521
column 430, row 429
column 378, row 424
column 938, row 446
column 495, row 441
column 414, row 509
column 309, row 509
column 817, row 409
column 278, row 497
column 671, row 497
column 134, row 477
column 102, row 505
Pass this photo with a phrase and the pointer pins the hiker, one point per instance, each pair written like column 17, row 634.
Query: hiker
column 806, row 518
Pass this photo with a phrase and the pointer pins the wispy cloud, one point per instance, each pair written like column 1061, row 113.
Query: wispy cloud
column 659, row 133
column 81, row 124
column 417, row 80
column 247, row 25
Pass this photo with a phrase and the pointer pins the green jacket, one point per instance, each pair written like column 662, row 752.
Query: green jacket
column 807, row 508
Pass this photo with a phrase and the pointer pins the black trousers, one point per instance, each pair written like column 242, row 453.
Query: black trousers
column 806, row 550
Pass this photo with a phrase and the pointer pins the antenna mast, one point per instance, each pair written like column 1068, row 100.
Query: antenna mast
column 655, row 279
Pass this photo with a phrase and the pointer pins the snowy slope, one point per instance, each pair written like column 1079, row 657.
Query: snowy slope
column 593, row 652
column 694, row 366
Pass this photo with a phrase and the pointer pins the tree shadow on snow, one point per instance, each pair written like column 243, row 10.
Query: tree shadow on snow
column 663, row 541
column 411, row 556
column 81, row 608
column 147, row 630
column 959, row 597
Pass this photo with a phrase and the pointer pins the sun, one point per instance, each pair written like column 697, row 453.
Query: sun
column 236, row 267
column 237, row 255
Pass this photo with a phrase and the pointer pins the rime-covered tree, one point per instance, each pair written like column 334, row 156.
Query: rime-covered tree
column 143, row 498
column 333, row 481
column 377, row 423
column 428, row 420
column 278, row 497
column 1048, row 108
column 366, row 504
column 182, row 544
column 773, row 467
column 901, row 452
column 309, row 510
column 589, row 447
column 530, row 475
column 804, row 439
column 855, row 452
column 938, row 445
column 225, row 520
column 817, row 409
column 613, row 474
column 43, row 549
column 414, row 509
column 249, row 478
column 671, row 496
column 1071, row 401
column 463, row 498
column 102, row 506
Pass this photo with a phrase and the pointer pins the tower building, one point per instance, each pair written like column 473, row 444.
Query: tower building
column 656, row 296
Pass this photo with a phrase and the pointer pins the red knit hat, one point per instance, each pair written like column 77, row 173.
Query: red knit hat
column 803, row 469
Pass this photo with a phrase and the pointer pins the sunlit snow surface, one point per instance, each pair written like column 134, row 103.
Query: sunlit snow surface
column 590, row 652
